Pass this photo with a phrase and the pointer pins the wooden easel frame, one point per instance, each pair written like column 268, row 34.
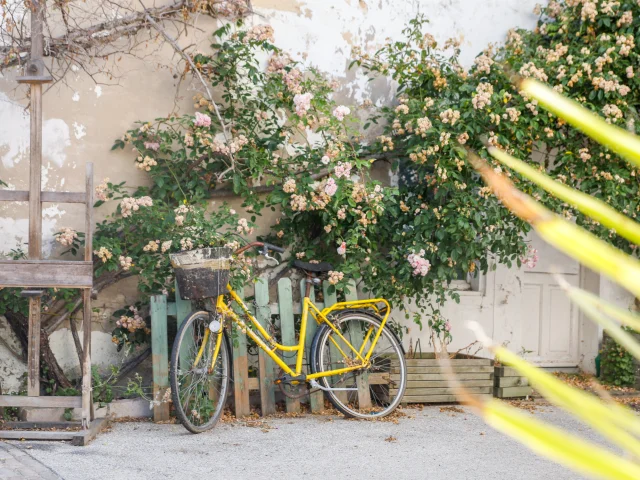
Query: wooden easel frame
column 36, row 273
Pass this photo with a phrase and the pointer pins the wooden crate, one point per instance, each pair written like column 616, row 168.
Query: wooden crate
column 508, row 383
column 427, row 382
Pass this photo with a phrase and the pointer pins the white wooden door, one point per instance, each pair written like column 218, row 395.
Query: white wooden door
column 550, row 322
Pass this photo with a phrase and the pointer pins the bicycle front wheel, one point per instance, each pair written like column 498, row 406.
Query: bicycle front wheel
column 199, row 373
column 367, row 393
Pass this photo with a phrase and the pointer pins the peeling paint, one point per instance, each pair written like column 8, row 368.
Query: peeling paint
column 14, row 135
column 282, row 5
column 98, row 90
column 79, row 130
column 325, row 39
column 16, row 231
column 76, row 97
column 55, row 140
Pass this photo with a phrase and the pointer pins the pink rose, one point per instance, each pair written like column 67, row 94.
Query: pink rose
column 331, row 187
column 202, row 120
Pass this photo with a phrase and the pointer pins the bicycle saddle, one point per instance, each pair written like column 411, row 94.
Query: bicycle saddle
column 313, row 267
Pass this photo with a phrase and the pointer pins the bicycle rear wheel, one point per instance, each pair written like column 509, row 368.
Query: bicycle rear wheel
column 199, row 391
column 374, row 391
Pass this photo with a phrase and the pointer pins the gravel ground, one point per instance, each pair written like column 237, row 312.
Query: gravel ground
column 432, row 443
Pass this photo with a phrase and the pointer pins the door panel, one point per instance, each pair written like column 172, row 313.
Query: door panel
column 550, row 328
column 532, row 311
column 560, row 330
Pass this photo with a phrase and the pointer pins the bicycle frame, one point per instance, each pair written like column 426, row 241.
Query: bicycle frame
column 270, row 346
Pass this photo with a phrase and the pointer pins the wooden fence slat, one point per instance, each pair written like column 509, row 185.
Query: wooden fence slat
column 316, row 399
column 362, row 380
column 266, row 366
column 337, row 361
column 240, row 372
column 287, row 327
column 183, row 307
column 352, row 294
column 159, row 356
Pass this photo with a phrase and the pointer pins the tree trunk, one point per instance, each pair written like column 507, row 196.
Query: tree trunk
column 20, row 326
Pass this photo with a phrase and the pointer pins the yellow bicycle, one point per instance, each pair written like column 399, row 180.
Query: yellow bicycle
column 355, row 359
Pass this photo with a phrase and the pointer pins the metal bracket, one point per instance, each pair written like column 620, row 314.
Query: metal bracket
column 31, row 293
column 35, row 72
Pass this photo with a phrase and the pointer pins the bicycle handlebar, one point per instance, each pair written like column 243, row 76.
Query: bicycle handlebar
column 265, row 248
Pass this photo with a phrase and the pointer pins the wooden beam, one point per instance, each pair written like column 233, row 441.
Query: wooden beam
column 35, row 170
column 14, row 196
column 87, row 395
column 33, row 353
column 36, row 435
column 45, row 197
column 82, row 438
column 40, row 402
column 64, row 197
column 77, row 438
column 88, row 227
column 42, row 425
column 46, row 274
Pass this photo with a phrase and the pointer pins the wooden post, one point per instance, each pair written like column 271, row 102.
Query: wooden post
column 35, row 147
column 87, row 390
column 35, row 174
column 287, row 327
column 316, row 399
column 33, row 387
column 35, row 187
column 265, row 364
column 241, row 373
column 159, row 356
column 87, row 395
column 362, row 380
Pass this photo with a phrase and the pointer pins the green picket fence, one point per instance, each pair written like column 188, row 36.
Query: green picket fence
column 267, row 370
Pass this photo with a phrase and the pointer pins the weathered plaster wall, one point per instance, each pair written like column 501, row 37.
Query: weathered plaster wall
column 81, row 120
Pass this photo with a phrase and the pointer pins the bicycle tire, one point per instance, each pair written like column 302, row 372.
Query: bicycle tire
column 393, row 365
column 190, row 415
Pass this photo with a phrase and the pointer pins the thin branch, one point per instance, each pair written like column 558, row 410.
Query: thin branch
column 6, row 345
column 228, row 192
column 189, row 60
column 132, row 364
column 76, row 339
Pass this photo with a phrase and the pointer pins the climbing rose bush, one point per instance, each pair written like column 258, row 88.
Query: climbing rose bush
column 586, row 50
column 281, row 128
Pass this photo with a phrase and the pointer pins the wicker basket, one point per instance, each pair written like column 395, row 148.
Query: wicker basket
column 202, row 273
